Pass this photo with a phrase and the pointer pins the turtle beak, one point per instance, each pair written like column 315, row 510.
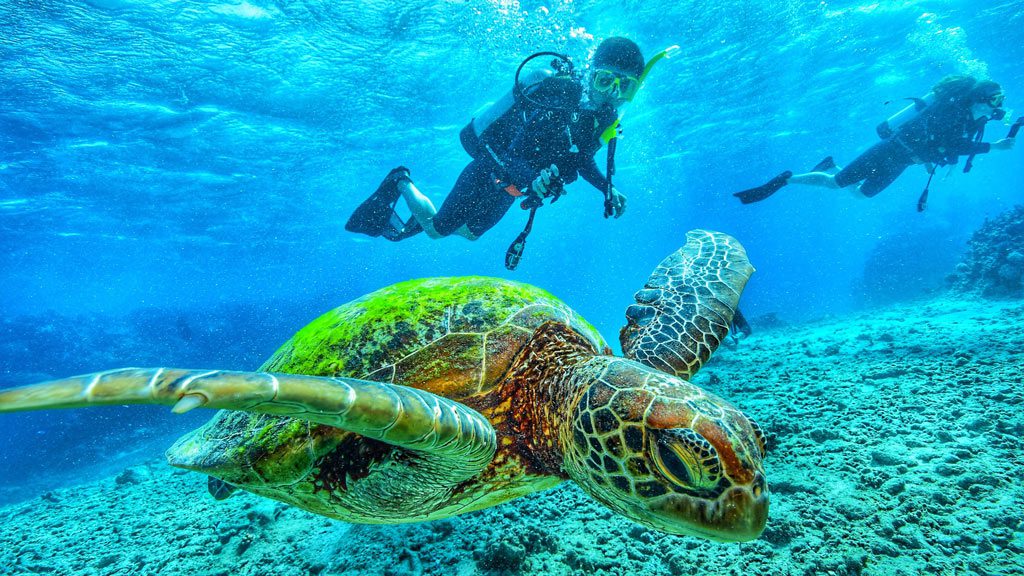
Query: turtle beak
column 738, row 515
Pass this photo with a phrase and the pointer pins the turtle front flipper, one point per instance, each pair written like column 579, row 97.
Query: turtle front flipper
column 685, row 308
column 458, row 441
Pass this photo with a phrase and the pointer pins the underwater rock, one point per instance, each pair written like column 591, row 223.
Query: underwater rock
column 1009, row 273
column 993, row 265
column 769, row 321
column 133, row 475
column 506, row 556
column 907, row 264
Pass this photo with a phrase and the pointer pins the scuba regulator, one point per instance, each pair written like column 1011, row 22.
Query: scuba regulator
column 563, row 67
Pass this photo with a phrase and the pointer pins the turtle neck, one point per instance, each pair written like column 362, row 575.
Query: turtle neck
column 540, row 391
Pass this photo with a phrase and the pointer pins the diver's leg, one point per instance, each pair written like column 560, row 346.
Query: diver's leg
column 466, row 233
column 376, row 215
column 421, row 207
column 493, row 205
column 468, row 198
column 426, row 215
column 879, row 167
column 876, row 169
column 881, row 180
column 822, row 175
column 819, row 179
column 827, row 164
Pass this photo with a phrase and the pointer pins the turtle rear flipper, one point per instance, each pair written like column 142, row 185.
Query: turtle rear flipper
column 685, row 308
column 219, row 489
column 454, row 442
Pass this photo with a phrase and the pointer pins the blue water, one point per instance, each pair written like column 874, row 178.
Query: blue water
column 175, row 176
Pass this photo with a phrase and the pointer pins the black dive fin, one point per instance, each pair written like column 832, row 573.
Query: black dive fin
column 400, row 230
column 764, row 191
column 376, row 215
column 825, row 165
column 740, row 324
column 219, row 489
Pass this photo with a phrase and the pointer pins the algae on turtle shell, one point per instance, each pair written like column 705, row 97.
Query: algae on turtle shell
column 437, row 397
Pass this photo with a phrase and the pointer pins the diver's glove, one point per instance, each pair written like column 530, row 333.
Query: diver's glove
column 548, row 183
column 615, row 205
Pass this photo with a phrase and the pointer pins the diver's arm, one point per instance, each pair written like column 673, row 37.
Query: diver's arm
column 967, row 147
column 592, row 174
column 519, row 172
column 1003, row 144
column 615, row 202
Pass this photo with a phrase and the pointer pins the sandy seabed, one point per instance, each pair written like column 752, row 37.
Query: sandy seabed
column 895, row 447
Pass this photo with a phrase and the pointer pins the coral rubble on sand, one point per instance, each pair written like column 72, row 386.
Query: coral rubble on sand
column 894, row 448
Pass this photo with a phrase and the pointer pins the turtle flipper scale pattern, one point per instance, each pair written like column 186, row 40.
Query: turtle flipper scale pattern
column 459, row 440
column 685, row 308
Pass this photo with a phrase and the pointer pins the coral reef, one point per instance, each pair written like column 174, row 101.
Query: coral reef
column 993, row 265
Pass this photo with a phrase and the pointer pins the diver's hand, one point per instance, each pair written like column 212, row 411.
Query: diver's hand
column 616, row 205
column 1004, row 144
column 548, row 183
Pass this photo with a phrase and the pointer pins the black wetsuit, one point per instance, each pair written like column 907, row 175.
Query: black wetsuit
column 513, row 150
column 939, row 135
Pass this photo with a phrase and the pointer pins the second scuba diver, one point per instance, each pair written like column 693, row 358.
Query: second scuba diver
column 935, row 130
column 525, row 146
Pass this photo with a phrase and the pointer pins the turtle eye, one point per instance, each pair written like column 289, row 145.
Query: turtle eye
column 687, row 459
column 762, row 440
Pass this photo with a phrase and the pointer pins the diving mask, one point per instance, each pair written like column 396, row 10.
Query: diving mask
column 996, row 100
column 609, row 81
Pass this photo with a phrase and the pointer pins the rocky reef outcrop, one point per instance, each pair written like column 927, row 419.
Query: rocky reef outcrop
column 993, row 265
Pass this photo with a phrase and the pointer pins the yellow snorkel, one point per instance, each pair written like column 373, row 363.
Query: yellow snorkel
column 613, row 130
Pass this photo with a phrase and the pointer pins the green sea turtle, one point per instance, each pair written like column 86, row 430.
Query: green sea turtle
column 436, row 397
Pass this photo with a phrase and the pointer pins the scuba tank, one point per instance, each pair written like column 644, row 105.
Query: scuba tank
column 951, row 89
column 561, row 66
column 888, row 127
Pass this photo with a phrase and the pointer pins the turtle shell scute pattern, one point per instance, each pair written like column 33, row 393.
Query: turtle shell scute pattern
column 455, row 337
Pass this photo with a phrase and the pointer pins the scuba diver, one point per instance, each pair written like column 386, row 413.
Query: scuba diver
column 526, row 146
column 935, row 130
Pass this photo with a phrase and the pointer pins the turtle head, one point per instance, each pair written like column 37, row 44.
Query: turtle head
column 667, row 454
